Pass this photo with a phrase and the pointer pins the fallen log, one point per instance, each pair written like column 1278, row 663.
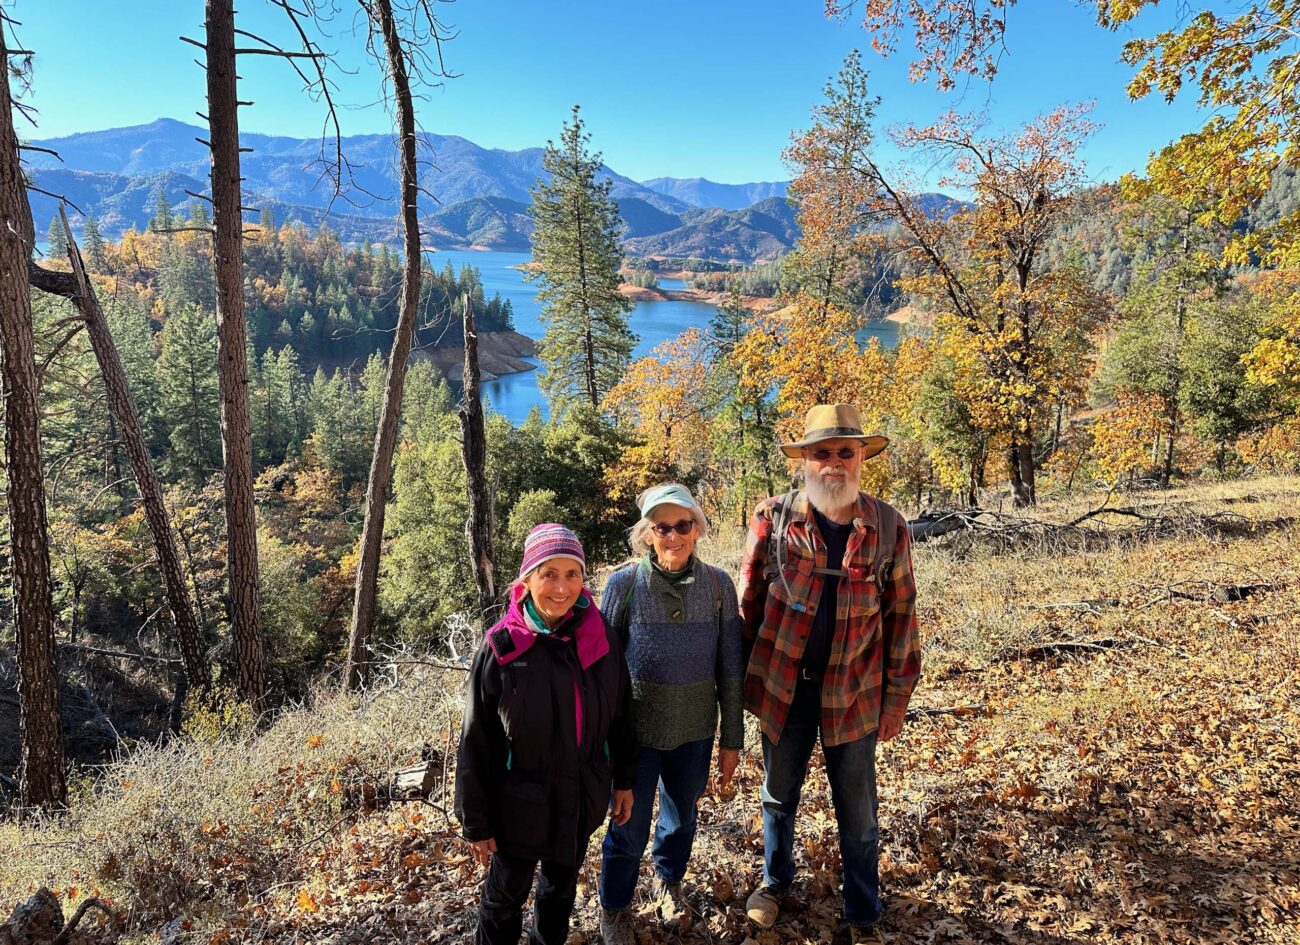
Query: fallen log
column 1065, row 647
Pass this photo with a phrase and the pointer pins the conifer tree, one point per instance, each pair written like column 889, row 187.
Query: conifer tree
column 829, row 191
column 587, row 343
column 55, row 238
column 162, row 213
column 187, row 381
column 95, row 254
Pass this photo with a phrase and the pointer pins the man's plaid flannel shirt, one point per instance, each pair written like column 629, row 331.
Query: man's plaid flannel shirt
column 876, row 654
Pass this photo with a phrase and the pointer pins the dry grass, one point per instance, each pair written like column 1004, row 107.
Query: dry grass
column 1142, row 792
column 211, row 824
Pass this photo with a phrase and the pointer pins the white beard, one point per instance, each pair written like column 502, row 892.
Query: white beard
column 830, row 496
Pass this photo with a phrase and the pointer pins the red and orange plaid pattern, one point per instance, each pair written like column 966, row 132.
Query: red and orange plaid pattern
column 876, row 655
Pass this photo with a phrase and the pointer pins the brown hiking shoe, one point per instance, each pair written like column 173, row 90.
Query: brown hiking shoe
column 763, row 906
column 670, row 905
column 866, row 935
column 616, row 927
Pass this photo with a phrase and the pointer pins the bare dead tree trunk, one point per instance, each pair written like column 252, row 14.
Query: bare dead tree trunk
column 123, row 412
column 41, row 778
column 232, row 356
column 478, row 525
column 381, row 461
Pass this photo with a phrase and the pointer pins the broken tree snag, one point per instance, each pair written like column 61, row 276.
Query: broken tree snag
column 41, row 777
column 381, row 460
column 122, row 407
column 232, row 356
column 478, row 524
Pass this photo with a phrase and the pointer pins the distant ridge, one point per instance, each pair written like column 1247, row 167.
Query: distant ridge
column 483, row 193
column 700, row 192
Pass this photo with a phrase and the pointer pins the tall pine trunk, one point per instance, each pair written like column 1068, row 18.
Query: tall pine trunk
column 381, row 462
column 122, row 412
column 478, row 524
column 232, row 354
column 41, row 780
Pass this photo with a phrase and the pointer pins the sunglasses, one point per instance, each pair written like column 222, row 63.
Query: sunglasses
column 844, row 452
column 684, row 527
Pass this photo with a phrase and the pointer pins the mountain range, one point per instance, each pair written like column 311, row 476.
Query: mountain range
column 482, row 193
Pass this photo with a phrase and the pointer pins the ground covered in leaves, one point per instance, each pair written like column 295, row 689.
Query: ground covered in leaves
column 1105, row 747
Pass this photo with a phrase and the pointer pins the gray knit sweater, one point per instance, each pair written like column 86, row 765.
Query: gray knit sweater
column 683, row 653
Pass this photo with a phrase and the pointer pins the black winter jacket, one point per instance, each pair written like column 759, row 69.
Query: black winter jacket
column 523, row 777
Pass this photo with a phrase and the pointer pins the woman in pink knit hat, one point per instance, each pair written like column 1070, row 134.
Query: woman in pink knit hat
column 547, row 746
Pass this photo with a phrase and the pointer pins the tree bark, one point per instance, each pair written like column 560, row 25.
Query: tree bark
column 1020, row 461
column 381, row 461
column 232, row 355
column 41, row 777
column 123, row 412
column 478, row 525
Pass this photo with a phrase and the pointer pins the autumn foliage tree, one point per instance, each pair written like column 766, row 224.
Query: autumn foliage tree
column 828, row 189
column 1015, row 328
column 665, row 401
column 1241, row 61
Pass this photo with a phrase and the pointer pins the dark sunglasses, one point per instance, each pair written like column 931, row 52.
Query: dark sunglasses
column 844, row 452
column 683, row 527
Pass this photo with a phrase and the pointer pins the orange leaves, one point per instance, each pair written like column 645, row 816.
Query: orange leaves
column 664, row 399
column 306, row 902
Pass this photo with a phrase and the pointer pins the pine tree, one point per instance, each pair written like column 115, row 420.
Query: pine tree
column 162, row 213
column 587, row 343
column 279, row 412
column 187, row 381
column 829, row 191
column 128, row 322
column 199, row 215
column 95, row 254
column 56, row 239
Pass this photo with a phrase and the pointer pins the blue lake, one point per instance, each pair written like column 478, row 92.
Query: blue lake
column 514, row 395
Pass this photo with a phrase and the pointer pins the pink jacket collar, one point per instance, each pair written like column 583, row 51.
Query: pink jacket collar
column 512, row 637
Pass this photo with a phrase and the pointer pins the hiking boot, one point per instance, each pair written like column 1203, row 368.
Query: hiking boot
column 616, row 927
column 866, row 935
column 763, row 906
column 670, row 905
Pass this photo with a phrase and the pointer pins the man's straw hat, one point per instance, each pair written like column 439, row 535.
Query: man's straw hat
column 834, row 422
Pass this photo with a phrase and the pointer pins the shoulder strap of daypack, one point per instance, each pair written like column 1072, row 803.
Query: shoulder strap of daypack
column 886, row 526
column 624, row 624
column 717, row 592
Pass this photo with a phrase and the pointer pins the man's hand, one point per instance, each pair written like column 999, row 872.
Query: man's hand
column 621, row 807
column 728, row 758
column 890, row 726
column 483, row 850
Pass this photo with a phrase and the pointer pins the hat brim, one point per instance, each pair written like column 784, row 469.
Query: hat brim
column 662, row 502
column 871, row 445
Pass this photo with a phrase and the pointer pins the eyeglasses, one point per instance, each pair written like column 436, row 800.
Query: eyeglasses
column 684, row 527
column 844, row 452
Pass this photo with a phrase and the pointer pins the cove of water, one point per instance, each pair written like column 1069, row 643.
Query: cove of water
column 514, row 395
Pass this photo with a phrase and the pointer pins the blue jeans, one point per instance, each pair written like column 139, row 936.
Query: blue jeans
column 680, row 775
column 851, row 770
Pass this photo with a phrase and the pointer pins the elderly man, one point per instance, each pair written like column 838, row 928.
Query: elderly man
column 827, row 602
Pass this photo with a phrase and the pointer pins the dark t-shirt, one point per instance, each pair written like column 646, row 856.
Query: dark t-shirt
column 817, row 652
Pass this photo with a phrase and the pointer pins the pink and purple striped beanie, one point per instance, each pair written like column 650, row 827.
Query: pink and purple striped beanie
column 550, row 540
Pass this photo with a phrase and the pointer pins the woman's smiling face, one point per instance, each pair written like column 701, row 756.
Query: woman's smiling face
column 555, row 586
column 672, row 550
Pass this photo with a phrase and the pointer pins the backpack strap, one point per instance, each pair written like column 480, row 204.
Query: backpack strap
column 717, row 593
column 886, row 526
column 624, row 622
column 775, row 565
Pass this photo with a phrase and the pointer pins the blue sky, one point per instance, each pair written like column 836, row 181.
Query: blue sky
column 681, row 89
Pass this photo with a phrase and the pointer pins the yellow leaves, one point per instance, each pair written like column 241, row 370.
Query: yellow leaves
column 306, row 902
